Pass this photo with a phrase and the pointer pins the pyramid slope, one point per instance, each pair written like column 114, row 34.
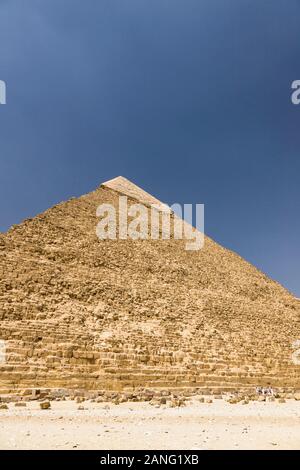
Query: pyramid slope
column 79, row 312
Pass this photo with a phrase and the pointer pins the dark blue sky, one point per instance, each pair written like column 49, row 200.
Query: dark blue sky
column 190, row 99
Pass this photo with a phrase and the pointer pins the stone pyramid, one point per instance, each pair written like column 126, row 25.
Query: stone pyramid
column 77, row 312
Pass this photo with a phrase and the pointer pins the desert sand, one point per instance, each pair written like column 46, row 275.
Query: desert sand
column 219, row 425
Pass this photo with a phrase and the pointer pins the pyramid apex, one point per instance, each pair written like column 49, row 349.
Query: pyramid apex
column 118, row 180
column 123, row 186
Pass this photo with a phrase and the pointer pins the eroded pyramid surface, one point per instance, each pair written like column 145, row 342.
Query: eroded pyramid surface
column 79, row 312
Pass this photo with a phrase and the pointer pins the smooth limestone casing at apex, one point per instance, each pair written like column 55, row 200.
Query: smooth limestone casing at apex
column 77, row 312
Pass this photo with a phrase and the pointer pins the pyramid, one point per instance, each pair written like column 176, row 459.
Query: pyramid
column 77, row 312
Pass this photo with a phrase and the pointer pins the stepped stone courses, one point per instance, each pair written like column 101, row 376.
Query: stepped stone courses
column 77, row 312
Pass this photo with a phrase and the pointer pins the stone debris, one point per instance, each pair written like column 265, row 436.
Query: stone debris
column 80, row 399
column 233, row 401
column 45, row 405
column 270, row 399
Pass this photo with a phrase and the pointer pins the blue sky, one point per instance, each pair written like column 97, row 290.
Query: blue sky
column 189, row 99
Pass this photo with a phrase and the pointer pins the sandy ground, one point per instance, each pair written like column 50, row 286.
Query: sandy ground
column 141, row 426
